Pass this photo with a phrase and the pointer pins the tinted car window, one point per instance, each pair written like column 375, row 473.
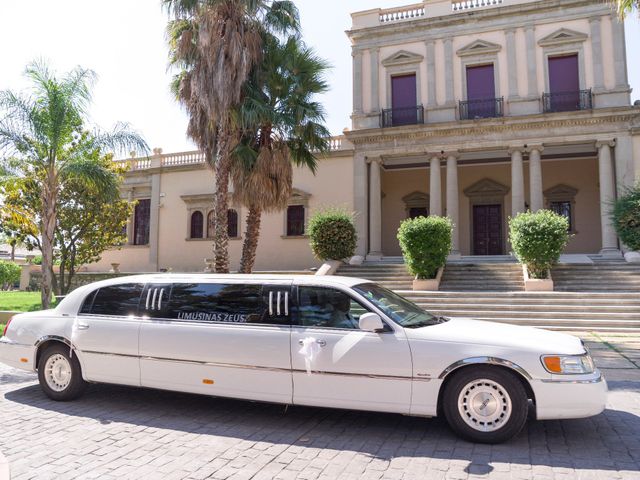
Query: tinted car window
column 227, row 303
column 327, row 308
column 117, row 300
column 88, row 302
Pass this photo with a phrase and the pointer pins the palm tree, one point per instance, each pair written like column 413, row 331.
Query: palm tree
column 215, row 44
column 42, row 136
column 282, row 126
column 624, row 7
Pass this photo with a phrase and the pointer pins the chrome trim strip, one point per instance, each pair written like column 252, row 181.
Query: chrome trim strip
column 14, row 344
column 286, row 304
column 153, row 299
column 484, row 360
column 258, row 367
column 46, row 338
column 146, row 305
column 598, row 379
column 278, row 302
column 271, row 303
column 160, row 299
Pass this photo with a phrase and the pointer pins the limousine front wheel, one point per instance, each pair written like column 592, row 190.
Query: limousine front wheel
column 485, row 404
column 59, row 374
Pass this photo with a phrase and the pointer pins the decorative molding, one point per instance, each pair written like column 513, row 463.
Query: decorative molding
column 402, row 58
column 490, row 127
column 416, row 200
column 299, row 197
column 561, row 37
column 560, row 193
column 601, row 143
column 486, row 188
column 479, row 47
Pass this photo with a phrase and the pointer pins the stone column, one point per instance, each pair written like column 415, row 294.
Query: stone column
column 357, row 80
column 517, row 181
column 431, row 73
column 154, row 222
column 532, row 70
column 435, row 187
column 512, row 62
column 375, row 209
column 448, row 70
column 607, row 196
column 375, row 79
column 360, row 203
column 130, row 219
column 619, row 53
column 535, row 177
column 596, row 55
column 453, row 211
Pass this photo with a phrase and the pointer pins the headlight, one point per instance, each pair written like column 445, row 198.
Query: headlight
column 568, row 364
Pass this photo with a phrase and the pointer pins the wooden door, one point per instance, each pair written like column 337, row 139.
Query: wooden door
column 404, row 100
column 487, row 230
column 564, row 83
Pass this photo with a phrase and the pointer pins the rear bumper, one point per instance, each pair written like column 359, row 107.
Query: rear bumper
column 566, row 397
column 17, row 355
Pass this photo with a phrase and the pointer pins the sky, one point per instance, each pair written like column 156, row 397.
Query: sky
column 124, row 42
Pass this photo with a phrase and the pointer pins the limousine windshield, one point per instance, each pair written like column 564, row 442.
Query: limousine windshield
column 400, row 310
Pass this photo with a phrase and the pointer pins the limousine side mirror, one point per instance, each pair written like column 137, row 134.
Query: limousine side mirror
column 371, row 322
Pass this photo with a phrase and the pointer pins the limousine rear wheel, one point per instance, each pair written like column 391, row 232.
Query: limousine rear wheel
column 59, row 374
column 485, row 404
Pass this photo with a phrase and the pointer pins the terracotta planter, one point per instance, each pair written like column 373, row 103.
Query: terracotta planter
column 428, row 284
column 536, row 284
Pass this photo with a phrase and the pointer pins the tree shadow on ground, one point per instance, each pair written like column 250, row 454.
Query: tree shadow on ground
column 606, row 442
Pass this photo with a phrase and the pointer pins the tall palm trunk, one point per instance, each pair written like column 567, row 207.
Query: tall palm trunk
column 48, row 231
column 221, row 240
column 250, row 244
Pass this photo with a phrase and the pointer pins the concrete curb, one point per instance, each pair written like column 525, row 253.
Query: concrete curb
column 5, row 474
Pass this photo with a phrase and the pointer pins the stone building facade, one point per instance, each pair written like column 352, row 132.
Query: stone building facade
column 477, row 110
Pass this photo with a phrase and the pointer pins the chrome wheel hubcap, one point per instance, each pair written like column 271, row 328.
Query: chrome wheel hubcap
column 484, row 405
column 57, row 372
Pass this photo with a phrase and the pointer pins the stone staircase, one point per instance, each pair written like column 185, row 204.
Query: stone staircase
column 554, row 310
column 388, row 274
column 492, row 291
column 491, row 276
column 602, row 276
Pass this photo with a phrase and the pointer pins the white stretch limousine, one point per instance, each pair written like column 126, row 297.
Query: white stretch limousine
column 305, row 340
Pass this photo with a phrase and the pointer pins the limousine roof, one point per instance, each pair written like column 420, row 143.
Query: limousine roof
column 71, row 303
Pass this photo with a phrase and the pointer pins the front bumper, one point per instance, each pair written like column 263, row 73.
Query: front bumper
column 17, row 355
column 566, row 396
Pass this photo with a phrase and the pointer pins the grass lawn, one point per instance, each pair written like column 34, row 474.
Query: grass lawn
column 20, row 301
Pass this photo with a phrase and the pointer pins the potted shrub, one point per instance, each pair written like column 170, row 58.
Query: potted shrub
column 538, row 239
column 425, row 244
column 626, row 220
column 332, row 237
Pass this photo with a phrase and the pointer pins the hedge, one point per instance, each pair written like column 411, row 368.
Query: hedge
column 425, row 244
column 332, row 234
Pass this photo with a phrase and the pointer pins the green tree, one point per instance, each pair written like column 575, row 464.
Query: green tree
column 282, row 125
column 215, row 44
column 88, row 220
column 43, row 137
column 625, row 7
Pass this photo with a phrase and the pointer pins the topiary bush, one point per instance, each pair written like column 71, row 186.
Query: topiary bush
column 538, row 239
column 425, row 243
column 9, row 274
column 332, row 234
column 626, row 218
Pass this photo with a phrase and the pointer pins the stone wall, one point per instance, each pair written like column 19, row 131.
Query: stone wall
column 79, row 279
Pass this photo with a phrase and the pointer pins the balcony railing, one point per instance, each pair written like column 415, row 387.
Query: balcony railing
column 481, row 108
column 567, row 101
column 396, row 117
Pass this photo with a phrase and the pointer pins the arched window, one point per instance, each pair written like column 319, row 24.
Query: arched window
column 197, row 224
column 211, row 224
column 232, row 223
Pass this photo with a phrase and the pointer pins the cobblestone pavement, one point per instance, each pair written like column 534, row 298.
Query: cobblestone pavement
column 119, row 433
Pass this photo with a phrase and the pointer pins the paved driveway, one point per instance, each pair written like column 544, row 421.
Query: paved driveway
column 118, row 433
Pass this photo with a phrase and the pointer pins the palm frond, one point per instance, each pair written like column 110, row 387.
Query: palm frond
column 120, row 140
column 92, row 173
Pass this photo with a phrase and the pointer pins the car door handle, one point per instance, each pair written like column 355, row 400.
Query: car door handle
column 322, row 343
column 83, row 326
